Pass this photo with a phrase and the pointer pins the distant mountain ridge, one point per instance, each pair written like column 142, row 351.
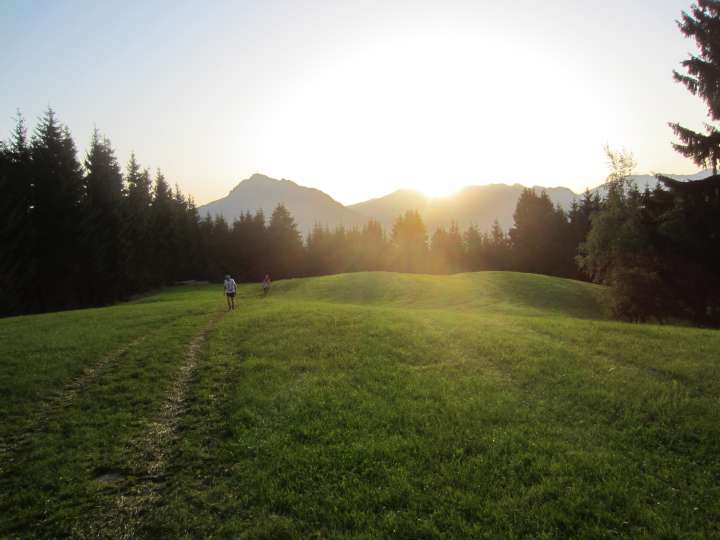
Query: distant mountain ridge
column 307, row 205
column 472, row 205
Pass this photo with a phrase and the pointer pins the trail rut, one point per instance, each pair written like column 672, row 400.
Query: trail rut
column 51, row 408
column 150, row 455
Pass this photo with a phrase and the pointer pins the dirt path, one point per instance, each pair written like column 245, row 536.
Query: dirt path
column 12, row 445
column 150, row 455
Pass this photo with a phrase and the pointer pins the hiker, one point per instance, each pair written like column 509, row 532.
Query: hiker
column 230, row 290
column 266, row 285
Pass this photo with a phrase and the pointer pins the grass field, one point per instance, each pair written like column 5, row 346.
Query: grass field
column 360, row 406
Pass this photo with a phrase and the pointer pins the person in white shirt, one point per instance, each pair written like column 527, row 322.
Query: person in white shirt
column 230, row 290
column 266, row 285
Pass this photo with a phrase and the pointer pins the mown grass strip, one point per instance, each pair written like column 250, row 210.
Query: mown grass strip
column 58, row 478
column 150, row 453
column 11, row 445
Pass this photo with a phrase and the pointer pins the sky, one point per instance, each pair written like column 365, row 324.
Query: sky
column 357, row 98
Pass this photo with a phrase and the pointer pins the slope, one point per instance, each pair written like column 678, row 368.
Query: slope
column 364, row 405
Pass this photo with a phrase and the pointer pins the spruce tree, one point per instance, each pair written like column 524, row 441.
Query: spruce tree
column 374, row 246
column 258, row 254
column 161, row 232
column 702, row 78
column 438, row 252
column 538, row 235
column 17, row 262
column 284, row 243
column 318, row 247
column 56, row 215
column 103, row 231
column 136, row 214
column 410, row 243
column 475, row 258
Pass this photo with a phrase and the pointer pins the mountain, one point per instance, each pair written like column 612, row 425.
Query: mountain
column 307, row 205
column 473, row 205
column 642, row 181
column 478, row 205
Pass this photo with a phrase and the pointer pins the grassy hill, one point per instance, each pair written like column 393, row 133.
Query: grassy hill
column 359, row 405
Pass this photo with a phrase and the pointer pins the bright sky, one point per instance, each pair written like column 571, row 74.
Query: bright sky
column 358, row 97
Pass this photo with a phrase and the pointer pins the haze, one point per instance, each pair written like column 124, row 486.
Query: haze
column 357, row 98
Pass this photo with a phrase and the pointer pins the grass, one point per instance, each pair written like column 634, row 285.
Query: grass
column 363, row 405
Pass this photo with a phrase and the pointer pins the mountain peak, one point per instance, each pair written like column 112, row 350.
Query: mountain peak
column 261, row 192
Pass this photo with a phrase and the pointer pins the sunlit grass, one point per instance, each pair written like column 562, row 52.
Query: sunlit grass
column 390, row 405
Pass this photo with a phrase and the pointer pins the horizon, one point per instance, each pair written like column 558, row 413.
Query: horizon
column 358, row 100
column 435, row 197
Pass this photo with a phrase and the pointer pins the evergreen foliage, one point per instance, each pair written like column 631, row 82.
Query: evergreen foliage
column 284, row 244
column 55, row 210
column 410, row 242
column 702, row 78
column 103, row 241
column 539, row 234
column 17, row 270
column 80, row 235
column 91, row 234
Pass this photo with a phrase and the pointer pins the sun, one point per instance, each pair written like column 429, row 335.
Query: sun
column 437, row 190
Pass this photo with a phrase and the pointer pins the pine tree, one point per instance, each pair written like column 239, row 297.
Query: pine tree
column 136, row 214
column 438, row 252
column 498, row 248
column 702, row 78
column 410, row 243
column 17, row 268
column 475, row 258
column 284, row 244
column 164, row 250
column 258, row 254
column 373, row 246
column 56, row 215
column 539, row 234
column 318, row 251
column 105, row 250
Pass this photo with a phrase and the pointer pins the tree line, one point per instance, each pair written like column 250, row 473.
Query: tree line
column 659, row 251
column 82, row 234
column 85, row 234
column 89, row 233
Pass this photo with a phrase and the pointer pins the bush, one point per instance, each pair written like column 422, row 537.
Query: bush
column 637, row 294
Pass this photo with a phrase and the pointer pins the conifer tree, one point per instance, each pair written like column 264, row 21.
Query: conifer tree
column 702, row 78
column 284, row 243
column 17, row 262
column 55, row 212
column 498, row 248
column 475, row 258
column 161, row 232
column 103, row 235
column 538, row 234
column 409, row 239
column 318, row 251
column 438, row 252
column 258, row 253
column 136, row 213
column 374, row 246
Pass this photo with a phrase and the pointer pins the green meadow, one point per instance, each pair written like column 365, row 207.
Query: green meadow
column 369, row 405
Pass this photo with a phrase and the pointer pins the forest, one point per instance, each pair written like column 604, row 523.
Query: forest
column 88, row 233
column 85, row 234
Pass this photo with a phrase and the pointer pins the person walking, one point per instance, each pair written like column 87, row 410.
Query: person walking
column 230, row 290
column 266, row 285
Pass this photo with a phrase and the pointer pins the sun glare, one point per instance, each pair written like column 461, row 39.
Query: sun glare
column 423, row 111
